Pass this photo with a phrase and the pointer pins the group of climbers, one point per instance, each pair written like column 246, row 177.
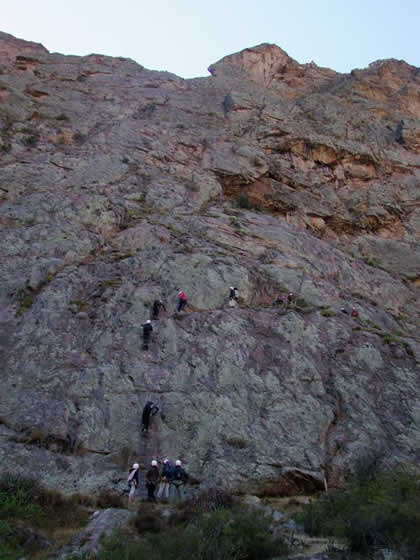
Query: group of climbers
column 353, row 313
column 285, row 301
column 170, row 481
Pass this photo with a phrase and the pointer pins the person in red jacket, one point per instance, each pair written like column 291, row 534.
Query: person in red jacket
column 182, row 301
column 354, row 312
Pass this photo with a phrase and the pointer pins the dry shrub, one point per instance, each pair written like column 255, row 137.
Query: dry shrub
column 210, row 500
column 149, row 519
column 82, row 500
column 109, row 499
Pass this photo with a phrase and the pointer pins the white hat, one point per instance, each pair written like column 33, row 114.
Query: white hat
column 232, row 288
column 165, row 461
column 136, row 466
column 148, row 321
column 178, row 463
column 154, row 463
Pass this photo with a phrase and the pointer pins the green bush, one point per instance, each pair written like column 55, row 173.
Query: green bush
column 10, row 548
column 244, row 202
column 24, row 498
column 19, row 497
column 377, row 509
column 220, row 535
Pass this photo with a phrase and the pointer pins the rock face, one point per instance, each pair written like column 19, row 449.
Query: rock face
column 119, row 185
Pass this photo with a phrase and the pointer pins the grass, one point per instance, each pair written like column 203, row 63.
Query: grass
column 379, row 508
column 25, row 299
column 328, row 313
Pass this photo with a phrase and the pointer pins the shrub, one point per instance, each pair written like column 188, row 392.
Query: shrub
column 109, row 499
column 210, row 500
column 79, row 138
column 10, row 548
column 149, row 520
column 19, row 497
column 377, row 509
column 328, row 313
column 237, row 443
column 244, row 202
column 24, row 498
column 221, row 535
column 62, row 117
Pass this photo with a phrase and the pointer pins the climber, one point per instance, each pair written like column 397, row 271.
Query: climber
column 147, row 330
column 233, row 296
column 281, row 301
column 157, row 306
column 133, row 481
column 344, row 310
column 150, row 409
column 182, row 301
column 163, row 491
column 177, row 479
column 152, row 478
column 354, row 312
column 291, row 299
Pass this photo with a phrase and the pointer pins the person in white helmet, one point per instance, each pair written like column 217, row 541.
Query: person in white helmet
column 163, row 491
column 147, row 331
column 133, row 481
column 177, row 479
column 152, row 478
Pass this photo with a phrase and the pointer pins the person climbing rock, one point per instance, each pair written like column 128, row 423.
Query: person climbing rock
column 152, row 478
column 281, row 301
column 291, row 299
column 147, row 331
column 177, row 479
column 163, row 490
column 354, row 312
column 158, row 305
column 182, row 301
column 344, row 310
column 133, row 481
column 233, row 296
column 149, row 410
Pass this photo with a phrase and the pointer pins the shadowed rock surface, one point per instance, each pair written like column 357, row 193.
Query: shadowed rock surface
column 119, row 185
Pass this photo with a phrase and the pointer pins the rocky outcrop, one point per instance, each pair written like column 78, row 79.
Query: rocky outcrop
column 103, row 523
column 119, row 185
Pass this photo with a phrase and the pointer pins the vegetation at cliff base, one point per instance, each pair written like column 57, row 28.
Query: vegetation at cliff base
column 376, row 510
column 24, row 500
column 219, row 535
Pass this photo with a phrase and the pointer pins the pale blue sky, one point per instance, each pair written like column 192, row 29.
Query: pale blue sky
column 185, row 36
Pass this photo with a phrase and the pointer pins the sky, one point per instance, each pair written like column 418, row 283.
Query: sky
column 185, row 36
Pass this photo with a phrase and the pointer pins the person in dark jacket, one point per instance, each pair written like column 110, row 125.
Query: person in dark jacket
column 233, row 296
column 152, row 479
column 150, row 409
column 163, row 491
column 158, row 305
column 133, row 481
column 177, row 479
column 147, row 331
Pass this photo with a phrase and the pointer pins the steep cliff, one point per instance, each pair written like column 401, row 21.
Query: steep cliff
column 119, row 185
